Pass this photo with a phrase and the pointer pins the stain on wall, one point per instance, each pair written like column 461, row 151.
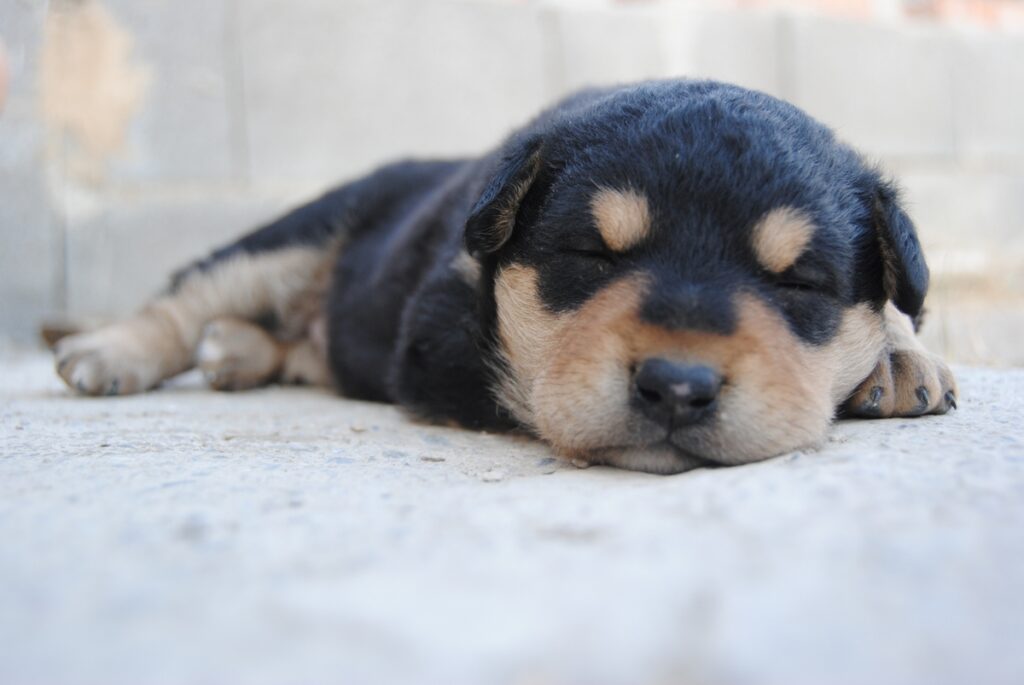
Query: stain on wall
column 91, row 86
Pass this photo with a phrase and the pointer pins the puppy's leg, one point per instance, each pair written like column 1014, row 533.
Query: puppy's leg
column 908, row 380
column 136, row 354
column 237, row 355
column 305, row 361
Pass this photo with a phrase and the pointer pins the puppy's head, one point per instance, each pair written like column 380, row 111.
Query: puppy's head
column 687, row 272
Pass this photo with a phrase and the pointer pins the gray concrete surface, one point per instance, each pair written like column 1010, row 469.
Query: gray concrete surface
column 287, row 536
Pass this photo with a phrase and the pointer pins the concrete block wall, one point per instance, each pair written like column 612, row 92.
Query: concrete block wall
column 30, row 234
column 250, row 105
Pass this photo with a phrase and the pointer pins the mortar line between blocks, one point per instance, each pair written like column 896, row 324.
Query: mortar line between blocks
column 237, row 113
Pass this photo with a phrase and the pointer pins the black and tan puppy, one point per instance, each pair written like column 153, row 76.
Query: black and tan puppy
column 655, row 276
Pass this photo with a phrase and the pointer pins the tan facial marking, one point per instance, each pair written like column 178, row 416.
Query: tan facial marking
column 527, row 331
column 622, row 216
column 571, row 378
column 780, row 237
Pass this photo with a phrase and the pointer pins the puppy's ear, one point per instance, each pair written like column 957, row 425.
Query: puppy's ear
column 905, row 273
column 493, row 218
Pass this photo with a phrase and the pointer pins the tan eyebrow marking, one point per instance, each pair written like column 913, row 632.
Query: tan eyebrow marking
column 622, row 217
column 780, row 237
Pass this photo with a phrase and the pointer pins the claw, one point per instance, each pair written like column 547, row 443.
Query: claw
column 950, row 399
column 873, row 405
column 923, row 397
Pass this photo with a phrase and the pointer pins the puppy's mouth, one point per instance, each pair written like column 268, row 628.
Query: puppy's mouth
column 685, row 454
column 660, row 457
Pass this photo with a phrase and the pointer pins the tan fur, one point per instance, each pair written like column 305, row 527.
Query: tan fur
column 907, row 379
column 780, row 237
column 622, row 216
column 571, row 374
column 899, row 330
column 136, row 354
column 236, row 355
column 467, row 268
column 649, row 458
column 305, row 363
column 306, row 307
column 527, row 331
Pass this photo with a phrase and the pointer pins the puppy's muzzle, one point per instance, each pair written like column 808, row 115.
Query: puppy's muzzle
column 675, row 395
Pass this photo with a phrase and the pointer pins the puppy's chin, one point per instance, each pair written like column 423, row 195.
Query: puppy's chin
column 729, row 442
column 660, row 458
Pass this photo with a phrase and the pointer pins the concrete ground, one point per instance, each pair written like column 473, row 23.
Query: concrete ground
column 287, row 536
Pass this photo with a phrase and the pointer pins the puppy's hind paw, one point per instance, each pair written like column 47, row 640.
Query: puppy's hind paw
column 237, row 355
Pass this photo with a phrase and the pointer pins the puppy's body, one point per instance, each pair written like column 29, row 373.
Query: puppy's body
column 651, row 276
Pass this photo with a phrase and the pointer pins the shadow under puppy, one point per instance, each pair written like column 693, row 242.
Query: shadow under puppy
column 655, row 276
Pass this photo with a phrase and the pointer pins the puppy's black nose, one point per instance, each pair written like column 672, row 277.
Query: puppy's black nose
column 675, row 394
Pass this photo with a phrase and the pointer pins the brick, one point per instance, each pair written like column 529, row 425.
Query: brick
column 29, row 260
column 887, row 90
column 972, row 228
column 975, row 322
column 989, row 99
column 593, row 47
column 183, row 131
column 29, row 230
column 630, row 43
column 968, row 222
column 736, row 47
column 334, row 88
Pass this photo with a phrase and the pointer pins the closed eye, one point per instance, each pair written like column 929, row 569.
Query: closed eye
column 603, row 255
column 805, row 278
column 805, row 284
column 588, row 248
column 792, row 284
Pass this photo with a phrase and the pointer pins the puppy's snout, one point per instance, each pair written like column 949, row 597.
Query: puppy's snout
column 675, row 394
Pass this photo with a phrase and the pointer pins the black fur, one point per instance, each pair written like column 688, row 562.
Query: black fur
column 902, row 251
column 406, row 326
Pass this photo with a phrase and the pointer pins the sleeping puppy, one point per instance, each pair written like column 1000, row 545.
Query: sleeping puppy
column 656, row 276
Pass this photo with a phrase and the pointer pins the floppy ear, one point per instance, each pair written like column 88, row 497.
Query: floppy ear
column 905, row 273
column 493, row 218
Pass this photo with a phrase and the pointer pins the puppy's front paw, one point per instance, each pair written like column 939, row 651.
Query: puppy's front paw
column 905, row 383
column 106, row 362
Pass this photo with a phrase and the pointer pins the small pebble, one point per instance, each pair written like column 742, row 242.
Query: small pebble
column 493, row 476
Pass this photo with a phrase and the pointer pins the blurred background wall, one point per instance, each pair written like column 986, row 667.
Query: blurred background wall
column 137, row 134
